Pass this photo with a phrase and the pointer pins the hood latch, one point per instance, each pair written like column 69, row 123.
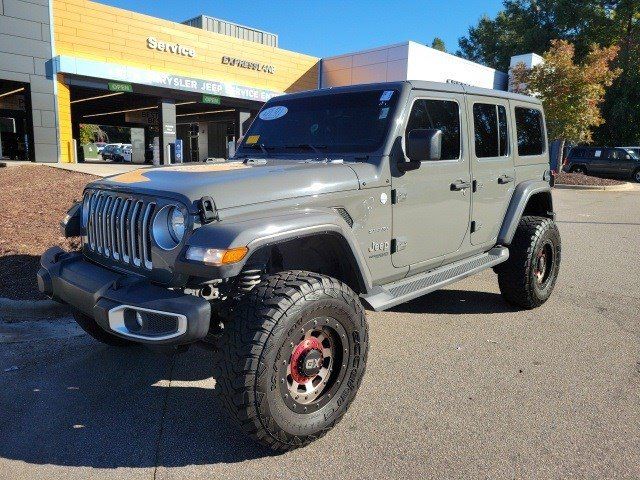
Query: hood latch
column 207, row 210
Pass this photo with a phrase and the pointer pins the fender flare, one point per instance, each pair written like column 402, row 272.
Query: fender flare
column 278, row 227
column 521, row 196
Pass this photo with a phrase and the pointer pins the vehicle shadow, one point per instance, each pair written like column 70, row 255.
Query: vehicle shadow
column 83, row 404
column 461, row 302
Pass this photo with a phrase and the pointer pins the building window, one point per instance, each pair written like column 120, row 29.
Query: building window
column 530, row 131
column 490, row 130
column 438, row 114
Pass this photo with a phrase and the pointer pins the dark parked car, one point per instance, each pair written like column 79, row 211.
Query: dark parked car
column 617, row 162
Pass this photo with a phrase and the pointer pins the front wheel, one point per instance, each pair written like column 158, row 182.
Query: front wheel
column 527, row 279
column 292, row 358
column 636, row 175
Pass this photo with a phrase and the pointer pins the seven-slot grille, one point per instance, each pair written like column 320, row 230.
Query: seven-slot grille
column 119, row 227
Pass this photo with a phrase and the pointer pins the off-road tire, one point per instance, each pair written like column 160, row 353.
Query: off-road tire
column 255, row 345
column 94, row 330
column 517, row 277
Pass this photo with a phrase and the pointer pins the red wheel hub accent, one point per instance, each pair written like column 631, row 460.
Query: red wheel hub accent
column 299, row 355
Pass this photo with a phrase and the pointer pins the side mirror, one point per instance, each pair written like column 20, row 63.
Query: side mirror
column 424, row 144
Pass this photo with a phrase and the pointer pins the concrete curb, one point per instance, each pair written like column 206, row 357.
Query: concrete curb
column 604, row 188
column 16, row 310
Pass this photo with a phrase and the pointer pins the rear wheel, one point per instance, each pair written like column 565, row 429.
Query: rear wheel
column 90, row 326
column 636, row 175
column 527, row 279
column 292, row 358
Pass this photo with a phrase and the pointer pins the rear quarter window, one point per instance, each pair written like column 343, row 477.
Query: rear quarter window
column 530, row 131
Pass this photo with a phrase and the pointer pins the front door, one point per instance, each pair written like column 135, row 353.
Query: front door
column 432, row 202
column 492, row 166
column 620, row 162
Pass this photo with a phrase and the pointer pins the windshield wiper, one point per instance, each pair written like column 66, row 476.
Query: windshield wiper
column 308, row 146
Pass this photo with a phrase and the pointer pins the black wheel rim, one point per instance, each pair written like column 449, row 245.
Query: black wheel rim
column 313, row 363
column 544, row 264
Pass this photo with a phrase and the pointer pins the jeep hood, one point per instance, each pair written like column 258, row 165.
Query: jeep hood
column 233, row 184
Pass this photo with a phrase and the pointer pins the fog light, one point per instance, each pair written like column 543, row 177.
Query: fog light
column 133, row 320
column 216, row 256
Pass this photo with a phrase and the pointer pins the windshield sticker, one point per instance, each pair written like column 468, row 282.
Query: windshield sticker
column 251, row 139
column 273, row 113
column 383, row 113
column 386, row 95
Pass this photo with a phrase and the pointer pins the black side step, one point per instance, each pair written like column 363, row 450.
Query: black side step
column 395, row 293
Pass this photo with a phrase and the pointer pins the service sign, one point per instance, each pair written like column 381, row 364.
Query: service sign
column 154, row 44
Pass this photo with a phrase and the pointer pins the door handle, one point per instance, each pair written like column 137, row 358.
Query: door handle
column 460, row 185
column 504, row 179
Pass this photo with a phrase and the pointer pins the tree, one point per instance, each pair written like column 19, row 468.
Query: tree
column 92, row 133
column 438, row 44
column 525, row 26
column 530, row 25
column 621, row 108
column 571, row 93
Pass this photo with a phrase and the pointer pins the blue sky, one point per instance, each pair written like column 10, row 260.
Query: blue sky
column 332, row 27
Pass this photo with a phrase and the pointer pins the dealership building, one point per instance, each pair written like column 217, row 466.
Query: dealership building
column 67, row 63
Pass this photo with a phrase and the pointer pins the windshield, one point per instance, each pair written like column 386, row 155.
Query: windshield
column 335, row 122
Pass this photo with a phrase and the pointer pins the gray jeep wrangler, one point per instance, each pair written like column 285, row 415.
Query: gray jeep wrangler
column 369, row 194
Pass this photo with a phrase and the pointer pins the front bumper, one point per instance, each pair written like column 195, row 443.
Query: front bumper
column 128, row 306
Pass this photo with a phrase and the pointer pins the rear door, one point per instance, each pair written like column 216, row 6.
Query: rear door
column 492, row 165
column 599, row 161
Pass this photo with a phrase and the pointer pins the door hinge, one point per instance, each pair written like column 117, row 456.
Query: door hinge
column 398, row 244
column 475, row 226
column 398, row 195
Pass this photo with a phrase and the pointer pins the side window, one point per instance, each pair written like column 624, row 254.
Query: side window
column 490, row 130
column 440, row 114
column 578, row 153
column 618, row 155
column 530, row 131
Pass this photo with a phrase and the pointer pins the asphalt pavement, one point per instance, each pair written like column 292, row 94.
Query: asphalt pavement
column 458, row 385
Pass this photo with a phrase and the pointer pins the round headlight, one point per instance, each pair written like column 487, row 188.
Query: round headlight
column 176, row 224
column 169, row 227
